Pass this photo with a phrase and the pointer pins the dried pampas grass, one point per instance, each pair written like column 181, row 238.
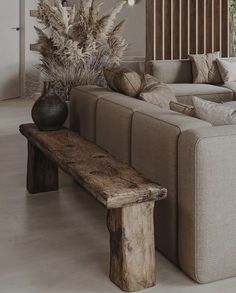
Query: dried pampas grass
column 75, row 44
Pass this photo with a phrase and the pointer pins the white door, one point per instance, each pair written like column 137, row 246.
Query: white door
column 9, row 49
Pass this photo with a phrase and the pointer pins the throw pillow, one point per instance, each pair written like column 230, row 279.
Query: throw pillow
column 227, row 70
column 205, row 69
column 155, row 92
column 182, row 108
column 123, row 80
column 215, row 113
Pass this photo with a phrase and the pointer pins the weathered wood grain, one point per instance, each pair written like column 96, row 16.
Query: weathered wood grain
column 112, row 183
column 128, row 197
column 132, row 258
column 42, row 173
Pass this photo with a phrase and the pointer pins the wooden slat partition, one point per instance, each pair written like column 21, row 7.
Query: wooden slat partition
column 176, row 28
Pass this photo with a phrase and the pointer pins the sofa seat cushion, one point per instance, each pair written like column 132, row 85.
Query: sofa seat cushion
column 185, row 91
column 231, row 86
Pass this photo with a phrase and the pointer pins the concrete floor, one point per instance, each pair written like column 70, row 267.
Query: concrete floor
column 58, row 242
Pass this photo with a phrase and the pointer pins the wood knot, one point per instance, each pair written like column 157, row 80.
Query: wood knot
column 98, row 156
column 69, row 145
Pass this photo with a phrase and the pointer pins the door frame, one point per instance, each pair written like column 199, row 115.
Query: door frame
column 22, row 48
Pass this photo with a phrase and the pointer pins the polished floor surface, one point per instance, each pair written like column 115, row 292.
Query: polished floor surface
column 58, row 242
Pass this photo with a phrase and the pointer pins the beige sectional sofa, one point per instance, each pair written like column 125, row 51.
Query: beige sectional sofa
column 196, row 225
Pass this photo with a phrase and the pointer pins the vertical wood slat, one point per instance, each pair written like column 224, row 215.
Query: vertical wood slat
column 184, row 29
column 150, row 38
column 167, row 29
column 176, row 29
column 217, row 25
column 201, row 27
column 159, row 29
column 189, row 26
column 193, row 26
column 225, row 29
column 209, row 26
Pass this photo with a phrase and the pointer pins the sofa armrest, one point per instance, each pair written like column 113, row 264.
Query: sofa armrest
column 154, row 145
column 207, row 203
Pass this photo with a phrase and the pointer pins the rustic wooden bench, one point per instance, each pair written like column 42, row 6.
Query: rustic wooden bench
column 128, row 197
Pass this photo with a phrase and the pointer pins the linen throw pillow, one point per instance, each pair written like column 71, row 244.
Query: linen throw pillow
column 155, row 92
column 227, row 70
column 182, row 108
column 205, row 69
column 215, row 113
column 123, row 80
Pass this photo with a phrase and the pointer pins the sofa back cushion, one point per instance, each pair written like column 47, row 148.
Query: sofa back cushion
column 136, row 65
column 171, row 71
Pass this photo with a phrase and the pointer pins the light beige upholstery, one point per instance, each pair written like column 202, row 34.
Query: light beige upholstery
column 207, row 203
column 171, row 71
column 138, row 66
column 155, row 134
column 114, row 121
column 231, row 86
column 83, row 109
column 193, row 160
column 178, row 75
column 184, row 92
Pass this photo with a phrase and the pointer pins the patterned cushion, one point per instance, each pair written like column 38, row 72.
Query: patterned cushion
column 123, row 80
column 182, row 108
column 215, row 113
column 155, row 92
column 205, row 69
column 227, row 70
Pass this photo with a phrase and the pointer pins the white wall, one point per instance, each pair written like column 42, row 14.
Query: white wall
column 135, row 26
column 134, row 33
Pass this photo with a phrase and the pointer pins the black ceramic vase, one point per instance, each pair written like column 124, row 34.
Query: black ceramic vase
column 49, row 111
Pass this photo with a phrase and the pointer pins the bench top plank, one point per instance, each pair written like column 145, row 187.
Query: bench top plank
column 111, row 182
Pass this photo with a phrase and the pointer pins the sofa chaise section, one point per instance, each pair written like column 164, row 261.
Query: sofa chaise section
column 184, row 92
column 177, row 74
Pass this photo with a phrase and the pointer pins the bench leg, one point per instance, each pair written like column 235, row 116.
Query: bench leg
column 42, row 174
column 132, row 247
